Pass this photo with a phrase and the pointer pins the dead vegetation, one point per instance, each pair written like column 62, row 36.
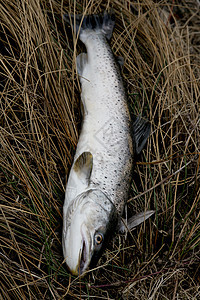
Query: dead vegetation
column 39, row 125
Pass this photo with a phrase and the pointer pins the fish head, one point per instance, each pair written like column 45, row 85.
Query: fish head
column 88, row 223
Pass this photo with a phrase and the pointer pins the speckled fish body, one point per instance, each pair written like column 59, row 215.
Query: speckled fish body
column 106, row 123
column 99, row 180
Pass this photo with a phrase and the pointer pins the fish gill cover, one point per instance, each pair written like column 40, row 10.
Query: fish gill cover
column 40, row 121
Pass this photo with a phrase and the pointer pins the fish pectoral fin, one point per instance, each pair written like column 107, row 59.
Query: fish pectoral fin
column 141, row 132
column 134, row 221
column 81, row 61
column 83, row 167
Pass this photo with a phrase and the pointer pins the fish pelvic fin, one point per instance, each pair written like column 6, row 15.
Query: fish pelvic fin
column 104, row 22
column 141, row 132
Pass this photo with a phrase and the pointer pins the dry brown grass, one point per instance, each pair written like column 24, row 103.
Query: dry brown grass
column 39, row 125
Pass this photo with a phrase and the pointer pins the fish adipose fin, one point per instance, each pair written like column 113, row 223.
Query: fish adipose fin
column 120, row 61
column 83, row 167
column 104, row 22
column 141, row 132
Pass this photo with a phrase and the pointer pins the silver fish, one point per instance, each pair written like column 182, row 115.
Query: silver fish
column 99, row 180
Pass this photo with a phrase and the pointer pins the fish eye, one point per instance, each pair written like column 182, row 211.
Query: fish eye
column 98, row 238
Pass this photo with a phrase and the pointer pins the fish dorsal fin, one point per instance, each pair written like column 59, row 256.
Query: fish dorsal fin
column 141, row 132
column 83, row 167
column 81, row 61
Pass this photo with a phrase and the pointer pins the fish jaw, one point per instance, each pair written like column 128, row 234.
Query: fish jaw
column 87, row 223
column 86, row 251
column 77, row 247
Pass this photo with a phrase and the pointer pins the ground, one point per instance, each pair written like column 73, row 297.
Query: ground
column 40, row 119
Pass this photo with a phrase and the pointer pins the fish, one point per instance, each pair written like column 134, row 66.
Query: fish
column 99, row 181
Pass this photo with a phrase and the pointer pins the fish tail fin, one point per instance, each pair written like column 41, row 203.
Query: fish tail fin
column 102, row 22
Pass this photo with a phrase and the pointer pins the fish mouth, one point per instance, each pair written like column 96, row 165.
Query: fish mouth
column 84, row 256
column 82, row 261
